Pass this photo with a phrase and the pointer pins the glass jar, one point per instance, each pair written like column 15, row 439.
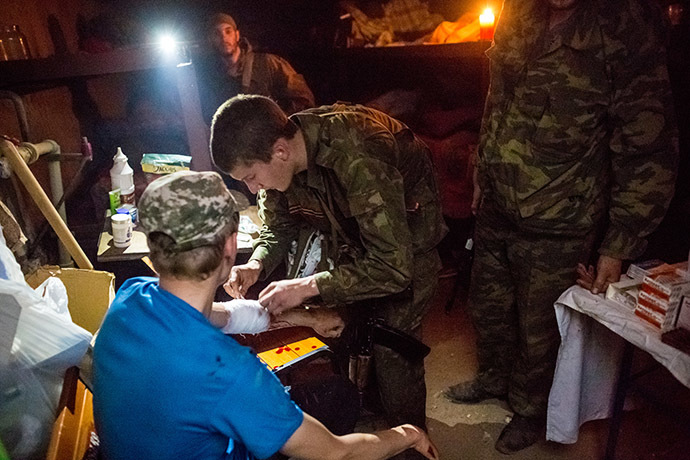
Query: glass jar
column 675, row 13
column 15, row 44
column 3, row 43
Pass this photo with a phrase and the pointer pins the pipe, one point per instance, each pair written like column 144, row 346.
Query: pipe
column 86, row 156
column 43, row 202
column 30, row 152
column 18, row 198
column 21, row 112
column 56, row 188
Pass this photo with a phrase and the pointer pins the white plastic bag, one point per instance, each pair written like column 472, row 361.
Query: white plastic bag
column 46, row 335
column 45, row 343
column 9, row 268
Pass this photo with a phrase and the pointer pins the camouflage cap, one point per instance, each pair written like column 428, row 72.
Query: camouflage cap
column 222, row 18
column 190, row 207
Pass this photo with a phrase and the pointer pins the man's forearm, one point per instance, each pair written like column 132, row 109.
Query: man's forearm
column 325, row 321
column 379, row 445
column 219, row 316
column 313, row 441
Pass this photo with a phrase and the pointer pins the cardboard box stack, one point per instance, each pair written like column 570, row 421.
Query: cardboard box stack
column 626, row 291
column 661, row 294
column 679, row 335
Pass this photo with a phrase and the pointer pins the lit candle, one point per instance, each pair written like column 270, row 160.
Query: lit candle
column 486, row 25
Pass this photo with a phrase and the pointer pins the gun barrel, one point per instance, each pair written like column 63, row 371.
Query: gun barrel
column 400, row 342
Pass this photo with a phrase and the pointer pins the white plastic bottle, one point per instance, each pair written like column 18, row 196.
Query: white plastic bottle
column 122, row 177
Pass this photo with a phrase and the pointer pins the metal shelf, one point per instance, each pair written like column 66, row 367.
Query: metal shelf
column 462, row 50
column 65, row 67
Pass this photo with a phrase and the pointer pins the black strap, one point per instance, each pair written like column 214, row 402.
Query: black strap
column 247, row 72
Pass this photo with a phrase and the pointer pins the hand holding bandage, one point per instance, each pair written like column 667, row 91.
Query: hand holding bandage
column 280, row 296
column 242, row 277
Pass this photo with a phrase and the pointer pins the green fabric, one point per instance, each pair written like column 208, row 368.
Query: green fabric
column 3, row 453
column 578, row 136
column 516, row 278
column 579, row 126
column 379, row 180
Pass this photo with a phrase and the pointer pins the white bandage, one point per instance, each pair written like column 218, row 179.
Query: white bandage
column 246, row 317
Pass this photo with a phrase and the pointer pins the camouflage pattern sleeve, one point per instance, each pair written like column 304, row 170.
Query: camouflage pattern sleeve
column 277, row 232
column 375, row 195
column 508, row 28
column 477, row 160
column 290, row 89
column 643, row 141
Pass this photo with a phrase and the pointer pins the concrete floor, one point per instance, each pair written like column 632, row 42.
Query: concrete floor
column 469, row 431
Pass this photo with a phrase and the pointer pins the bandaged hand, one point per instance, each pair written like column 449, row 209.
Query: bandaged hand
column 244, row 316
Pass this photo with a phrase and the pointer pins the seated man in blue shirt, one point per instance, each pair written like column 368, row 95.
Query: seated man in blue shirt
column 170, row 384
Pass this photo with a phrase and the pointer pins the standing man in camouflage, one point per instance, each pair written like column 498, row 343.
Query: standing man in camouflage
column 577, row 157
column 235, row 68
column 366, row 182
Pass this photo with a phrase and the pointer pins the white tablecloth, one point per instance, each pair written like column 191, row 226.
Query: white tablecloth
column 589, row 359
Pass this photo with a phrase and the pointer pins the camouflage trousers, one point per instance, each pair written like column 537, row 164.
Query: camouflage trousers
column 516, row 278
column 401, row 382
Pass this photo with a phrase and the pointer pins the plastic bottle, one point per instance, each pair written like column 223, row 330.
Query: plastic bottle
column 122, row 230
column 122, row 177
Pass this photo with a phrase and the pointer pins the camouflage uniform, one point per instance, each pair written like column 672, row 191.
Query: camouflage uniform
column 577, row 143
column 377, row 180
column 271, row 76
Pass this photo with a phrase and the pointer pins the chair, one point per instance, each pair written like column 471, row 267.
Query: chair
column 74, row 432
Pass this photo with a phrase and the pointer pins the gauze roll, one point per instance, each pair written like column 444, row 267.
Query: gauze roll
column 246, row 317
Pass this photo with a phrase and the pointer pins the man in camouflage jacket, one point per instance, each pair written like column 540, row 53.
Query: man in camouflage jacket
column 235, row 68
column 577, row 156
column 366, row 182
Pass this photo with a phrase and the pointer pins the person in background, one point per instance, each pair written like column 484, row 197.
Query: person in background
column 235, row 68
column 576, row 162
column 365, row 182
column 169, row 384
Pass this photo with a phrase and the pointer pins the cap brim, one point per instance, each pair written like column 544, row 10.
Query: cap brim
column 240, row 199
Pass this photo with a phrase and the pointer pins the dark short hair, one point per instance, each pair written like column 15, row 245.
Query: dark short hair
column 244, row 130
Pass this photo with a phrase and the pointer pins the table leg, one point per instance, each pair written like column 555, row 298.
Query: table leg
column 621, row 390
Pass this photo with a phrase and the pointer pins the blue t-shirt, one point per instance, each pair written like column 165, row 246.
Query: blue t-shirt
column 168, row 384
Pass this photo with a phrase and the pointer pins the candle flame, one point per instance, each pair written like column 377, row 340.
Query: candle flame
column 487, row 17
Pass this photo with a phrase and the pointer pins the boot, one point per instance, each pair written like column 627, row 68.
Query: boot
column 472, row 392
column 520, row 433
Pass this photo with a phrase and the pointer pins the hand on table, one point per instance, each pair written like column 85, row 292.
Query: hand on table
column 285, row 294
column 422, row 444
column 608, row 271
